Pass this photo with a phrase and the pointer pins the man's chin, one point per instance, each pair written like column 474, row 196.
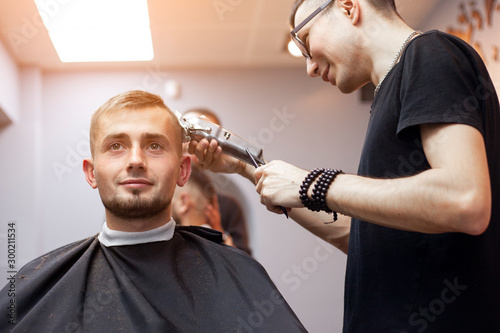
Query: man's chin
column 346, row 89
column 136, row 206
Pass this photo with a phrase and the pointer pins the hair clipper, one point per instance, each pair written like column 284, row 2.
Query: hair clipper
column 231, row 144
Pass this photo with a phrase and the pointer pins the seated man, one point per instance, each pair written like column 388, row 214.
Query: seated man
column 191, row 201
column 141, row 273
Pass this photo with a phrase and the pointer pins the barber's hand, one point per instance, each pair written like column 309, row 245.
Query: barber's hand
column 210, row 157
column 278, row 184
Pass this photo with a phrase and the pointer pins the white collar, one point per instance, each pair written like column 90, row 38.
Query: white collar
column 109, row 237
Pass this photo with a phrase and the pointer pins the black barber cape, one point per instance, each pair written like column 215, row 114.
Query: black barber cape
column 190, row 283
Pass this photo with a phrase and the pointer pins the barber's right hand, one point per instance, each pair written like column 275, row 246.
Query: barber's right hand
column 211, row 157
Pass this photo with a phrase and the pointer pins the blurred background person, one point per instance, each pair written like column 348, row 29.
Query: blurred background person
column 226, row 207
column 196, row 204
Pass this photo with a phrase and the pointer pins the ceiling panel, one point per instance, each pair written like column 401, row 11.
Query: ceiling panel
column 186, row 34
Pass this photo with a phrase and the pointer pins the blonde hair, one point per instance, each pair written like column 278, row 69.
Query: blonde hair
column 130, row 100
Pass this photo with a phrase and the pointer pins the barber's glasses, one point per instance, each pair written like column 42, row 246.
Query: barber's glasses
column 300, row 44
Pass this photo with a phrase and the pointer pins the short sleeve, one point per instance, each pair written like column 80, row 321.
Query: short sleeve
column 439, row 83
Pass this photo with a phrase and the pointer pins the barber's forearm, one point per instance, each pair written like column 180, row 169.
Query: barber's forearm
column 430, row 202
column 247, row 171
column 336, row 233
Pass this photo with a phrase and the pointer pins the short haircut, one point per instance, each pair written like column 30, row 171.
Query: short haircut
column 386, row 7
column 131, row 100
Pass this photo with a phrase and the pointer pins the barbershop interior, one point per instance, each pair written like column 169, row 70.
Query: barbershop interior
column 231, row 57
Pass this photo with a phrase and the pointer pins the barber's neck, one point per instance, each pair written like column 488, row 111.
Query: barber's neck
column 382, row 47
column 137, row 224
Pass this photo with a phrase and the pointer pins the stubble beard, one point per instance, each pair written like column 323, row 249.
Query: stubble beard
column 136, row 207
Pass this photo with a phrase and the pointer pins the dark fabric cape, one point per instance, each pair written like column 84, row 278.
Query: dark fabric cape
column 191, row 283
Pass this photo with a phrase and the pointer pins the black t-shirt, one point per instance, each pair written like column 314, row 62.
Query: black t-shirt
column 400, row 281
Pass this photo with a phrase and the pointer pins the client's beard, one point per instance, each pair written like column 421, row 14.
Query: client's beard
column 136, row 207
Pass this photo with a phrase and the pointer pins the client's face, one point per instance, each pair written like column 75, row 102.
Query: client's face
column 137, row 162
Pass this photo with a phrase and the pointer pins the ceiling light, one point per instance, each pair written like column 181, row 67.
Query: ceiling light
column 98, row 30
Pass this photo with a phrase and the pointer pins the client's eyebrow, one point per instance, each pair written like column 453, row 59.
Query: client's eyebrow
column 144, row 136
column 109, row 138
column 155, row 136
column 149, row 136
column 114, row 136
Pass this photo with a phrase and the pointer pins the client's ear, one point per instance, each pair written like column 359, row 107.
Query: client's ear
column 88, row 169
column 185, row 171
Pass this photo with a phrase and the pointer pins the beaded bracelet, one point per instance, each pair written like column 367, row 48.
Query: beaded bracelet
column 305, row 187
column 318, row 198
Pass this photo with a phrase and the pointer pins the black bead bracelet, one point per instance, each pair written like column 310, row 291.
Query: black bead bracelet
column 318, row 198
column 308, row 203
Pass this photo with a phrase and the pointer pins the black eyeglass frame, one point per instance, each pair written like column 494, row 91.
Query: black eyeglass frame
column 300, row 44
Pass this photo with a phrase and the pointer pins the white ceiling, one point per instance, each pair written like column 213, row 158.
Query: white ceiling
column 186, row 34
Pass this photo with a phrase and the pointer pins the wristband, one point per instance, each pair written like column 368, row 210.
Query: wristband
column 318, row 198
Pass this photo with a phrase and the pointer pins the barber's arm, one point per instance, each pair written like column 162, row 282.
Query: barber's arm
column 454, row 195
column 210, row 156
column 320, row 224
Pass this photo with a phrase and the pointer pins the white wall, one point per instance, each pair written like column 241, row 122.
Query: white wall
column 20, row 169
column 9, row 88
column 446, row 15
